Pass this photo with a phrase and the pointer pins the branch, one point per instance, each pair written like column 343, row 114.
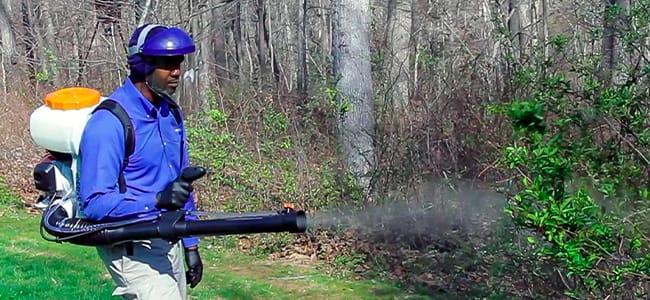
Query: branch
column 627, row 219
column 627, row 141
column 204, row 10
column 143, row 17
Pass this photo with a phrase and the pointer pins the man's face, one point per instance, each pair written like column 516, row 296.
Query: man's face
column 166, row 74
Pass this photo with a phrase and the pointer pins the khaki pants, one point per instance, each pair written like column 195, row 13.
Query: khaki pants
column 154, row 270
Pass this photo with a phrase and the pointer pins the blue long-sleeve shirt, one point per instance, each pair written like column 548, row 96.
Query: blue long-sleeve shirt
column 156, row 161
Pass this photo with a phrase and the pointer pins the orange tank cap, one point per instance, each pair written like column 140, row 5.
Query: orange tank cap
column 72, row 98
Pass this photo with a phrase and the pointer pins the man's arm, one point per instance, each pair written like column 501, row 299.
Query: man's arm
column 194, row 272
column 188, row 242
column 102, row 151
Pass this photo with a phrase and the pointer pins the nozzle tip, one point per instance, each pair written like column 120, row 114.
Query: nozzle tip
column 301, row 222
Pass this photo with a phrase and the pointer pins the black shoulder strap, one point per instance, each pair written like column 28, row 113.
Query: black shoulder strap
column 129, row 135
column 176, row 111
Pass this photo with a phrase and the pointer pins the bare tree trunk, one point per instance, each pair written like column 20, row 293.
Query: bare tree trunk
column 141, row 11
column 399, row 26
column 261, row 40
column 518, row 22
column 351, row 51
column 198, row 79
column 380, row 21
column 6, row 4
column 545, row 27
column 205, row 49
column 8, row 43
column 50, row 48
column 276, row 68
column 489, row 11
column 527, row 19
column 41, row 47
column 417, row 28
column 29, row 40
column 302, row 48
column 6, row 33
column 189, row 88
column 325, row 35
column 514, row 24
column 249, row 32
column 239, row 43
column 219, row 38
column 76, row 57
column 287, row 50
column 611, row 46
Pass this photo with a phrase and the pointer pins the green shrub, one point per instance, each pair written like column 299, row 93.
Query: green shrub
column 579, row 154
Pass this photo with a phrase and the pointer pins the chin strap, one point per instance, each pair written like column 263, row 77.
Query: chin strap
column 162, row 94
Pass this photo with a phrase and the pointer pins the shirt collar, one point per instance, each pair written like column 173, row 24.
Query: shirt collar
column 138, row 104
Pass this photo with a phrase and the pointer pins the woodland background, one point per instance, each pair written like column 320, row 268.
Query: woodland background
column 410, row 109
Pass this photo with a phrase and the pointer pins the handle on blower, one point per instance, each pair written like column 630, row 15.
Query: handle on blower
column 190, row 174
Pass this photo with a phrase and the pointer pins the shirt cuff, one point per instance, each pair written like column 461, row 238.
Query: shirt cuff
column 191, row 241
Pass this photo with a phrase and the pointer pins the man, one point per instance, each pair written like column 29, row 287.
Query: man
column 112, row 188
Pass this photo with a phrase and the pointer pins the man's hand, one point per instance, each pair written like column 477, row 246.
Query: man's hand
column 177, row 192
column 194, row 267
column 175, row 195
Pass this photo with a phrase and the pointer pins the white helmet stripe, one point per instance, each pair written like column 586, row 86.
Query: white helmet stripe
column 141, row 38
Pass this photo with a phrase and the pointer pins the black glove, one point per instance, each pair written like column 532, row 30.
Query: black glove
column 194, row 267
column 175, row 195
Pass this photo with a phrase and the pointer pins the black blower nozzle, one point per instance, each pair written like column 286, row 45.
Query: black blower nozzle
column 170, row 225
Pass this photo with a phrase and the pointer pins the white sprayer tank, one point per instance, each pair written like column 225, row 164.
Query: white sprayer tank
column 59, row 123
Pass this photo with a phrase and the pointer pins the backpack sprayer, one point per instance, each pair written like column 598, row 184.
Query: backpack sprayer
column 57, row 126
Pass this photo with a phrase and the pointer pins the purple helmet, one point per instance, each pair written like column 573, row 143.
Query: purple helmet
column 156, row 40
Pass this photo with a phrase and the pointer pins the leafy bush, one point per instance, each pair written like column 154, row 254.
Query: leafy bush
column 254, row 158
column 580, row 157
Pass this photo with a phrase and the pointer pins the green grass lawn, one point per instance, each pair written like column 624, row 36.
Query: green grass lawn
column 32, row 268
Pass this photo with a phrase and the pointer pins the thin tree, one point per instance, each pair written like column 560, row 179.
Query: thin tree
column 302, row 47
column 399, row 27
column 50, row 49
column 262, row 46
column 29, row 38
column 614, row 19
